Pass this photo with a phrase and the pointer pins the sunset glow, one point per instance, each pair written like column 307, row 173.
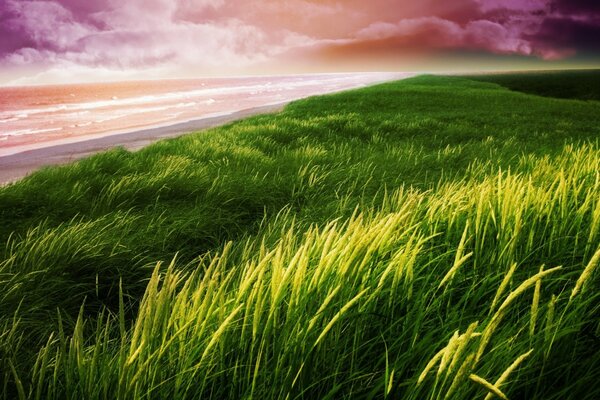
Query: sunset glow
column 58, row 41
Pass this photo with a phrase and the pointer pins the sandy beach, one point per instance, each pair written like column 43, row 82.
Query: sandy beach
column 16, row 166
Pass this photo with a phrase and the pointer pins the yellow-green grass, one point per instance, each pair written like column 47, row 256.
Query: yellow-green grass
column 427, row 239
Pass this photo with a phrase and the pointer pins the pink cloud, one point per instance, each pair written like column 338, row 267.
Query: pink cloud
column 139, row 33
column 526, row 6
column 435, row 32
column 236, row 35
column 496, row 38
column 47, row 24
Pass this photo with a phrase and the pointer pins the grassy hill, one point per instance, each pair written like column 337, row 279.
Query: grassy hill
column 573, row 84
column 431, row 238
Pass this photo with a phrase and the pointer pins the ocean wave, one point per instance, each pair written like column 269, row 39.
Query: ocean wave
column 196, row 94
column 23, row 132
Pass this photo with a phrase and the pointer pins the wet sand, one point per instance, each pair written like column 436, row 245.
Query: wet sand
column 16, row 166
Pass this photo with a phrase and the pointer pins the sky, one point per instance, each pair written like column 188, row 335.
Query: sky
column 59, row 41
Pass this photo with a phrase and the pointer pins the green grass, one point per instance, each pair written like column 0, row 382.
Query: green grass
column 574, row 84
column 425, row 239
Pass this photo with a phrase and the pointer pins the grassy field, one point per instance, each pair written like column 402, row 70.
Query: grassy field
column 432, row 238
column 574, row 84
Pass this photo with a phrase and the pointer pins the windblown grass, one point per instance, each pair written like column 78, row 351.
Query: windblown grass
column 391, row 242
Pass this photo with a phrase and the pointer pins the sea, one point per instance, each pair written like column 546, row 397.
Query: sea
column 40, row 116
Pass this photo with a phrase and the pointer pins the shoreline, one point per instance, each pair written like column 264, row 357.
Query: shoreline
column 14, row 167
column 19, row 162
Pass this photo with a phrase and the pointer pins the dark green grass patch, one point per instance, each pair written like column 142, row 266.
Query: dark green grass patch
column 574, row 84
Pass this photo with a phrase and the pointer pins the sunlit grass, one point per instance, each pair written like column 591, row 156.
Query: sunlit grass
column 342, row 249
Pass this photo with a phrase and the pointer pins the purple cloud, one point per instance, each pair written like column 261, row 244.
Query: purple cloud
column 576, row 6
column 230, row 35
column 569, row 33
